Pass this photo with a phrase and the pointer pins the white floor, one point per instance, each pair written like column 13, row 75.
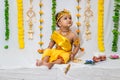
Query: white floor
column 106, row 70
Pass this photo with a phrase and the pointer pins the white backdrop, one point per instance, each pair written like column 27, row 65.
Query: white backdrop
column 13, row 56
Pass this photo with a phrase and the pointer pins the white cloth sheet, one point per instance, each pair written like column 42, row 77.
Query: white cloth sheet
column 105, row 70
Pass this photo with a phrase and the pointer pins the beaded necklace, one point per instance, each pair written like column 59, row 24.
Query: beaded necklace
column 64, row 33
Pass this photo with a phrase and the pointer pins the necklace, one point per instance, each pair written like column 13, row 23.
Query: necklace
column 64, row 33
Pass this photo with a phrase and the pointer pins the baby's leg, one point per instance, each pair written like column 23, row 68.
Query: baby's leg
column 40, row 62
column 46, row 59
column 58, row 61
column 50, row 65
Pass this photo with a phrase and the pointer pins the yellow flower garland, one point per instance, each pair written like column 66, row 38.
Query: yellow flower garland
column 41, row 28
column 20, row 24
column 100, row 25
column 78, row 23
column 78, row 15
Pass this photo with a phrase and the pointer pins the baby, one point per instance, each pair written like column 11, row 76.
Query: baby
column 66, row 42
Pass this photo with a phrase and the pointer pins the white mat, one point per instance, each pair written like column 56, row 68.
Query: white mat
column 106, row 70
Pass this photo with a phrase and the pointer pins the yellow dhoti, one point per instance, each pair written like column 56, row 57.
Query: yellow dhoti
column 54, row 54
column 62, row 52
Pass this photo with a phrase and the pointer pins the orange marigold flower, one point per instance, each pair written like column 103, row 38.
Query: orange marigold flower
column 82, row 49
column 78, row 23
column 41, row 20
column 41, row 35
column 78, row 15
column 41, row 4
column 78, row 31
column 40, row 51
column 78, row 7
column 41, row 43
column 41, row 12
column 41, row 27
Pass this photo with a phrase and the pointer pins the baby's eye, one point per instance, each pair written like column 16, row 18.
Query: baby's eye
column 65, row 18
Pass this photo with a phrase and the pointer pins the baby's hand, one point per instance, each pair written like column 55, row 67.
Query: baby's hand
column 72, row 57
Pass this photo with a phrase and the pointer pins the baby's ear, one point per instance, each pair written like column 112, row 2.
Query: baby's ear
column 59, row 23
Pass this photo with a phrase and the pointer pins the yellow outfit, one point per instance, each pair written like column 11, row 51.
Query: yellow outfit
column 62, row 50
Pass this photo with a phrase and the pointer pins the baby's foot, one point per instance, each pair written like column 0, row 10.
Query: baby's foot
column 39, row 62
column 49, row 65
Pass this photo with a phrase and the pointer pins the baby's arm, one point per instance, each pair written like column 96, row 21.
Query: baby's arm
column 51, row 44
column 76, row 44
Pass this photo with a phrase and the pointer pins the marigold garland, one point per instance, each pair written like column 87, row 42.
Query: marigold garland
column 6, row 14
column 101, row 25
column 41, row 28
column 78, row 23
column 20, row 24
column 53, row 15
column 78, row 15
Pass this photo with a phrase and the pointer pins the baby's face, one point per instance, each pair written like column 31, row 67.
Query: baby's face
column 66, row 21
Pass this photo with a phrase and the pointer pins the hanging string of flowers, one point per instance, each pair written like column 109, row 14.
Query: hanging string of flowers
column 53, row 15
column 78, row 23
column 100, row 25
column 41, row 28
column 30, row 14
column 20, row 24
column 88, row 15
column 78, row 15
column 6, row 14
column 116, row 25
